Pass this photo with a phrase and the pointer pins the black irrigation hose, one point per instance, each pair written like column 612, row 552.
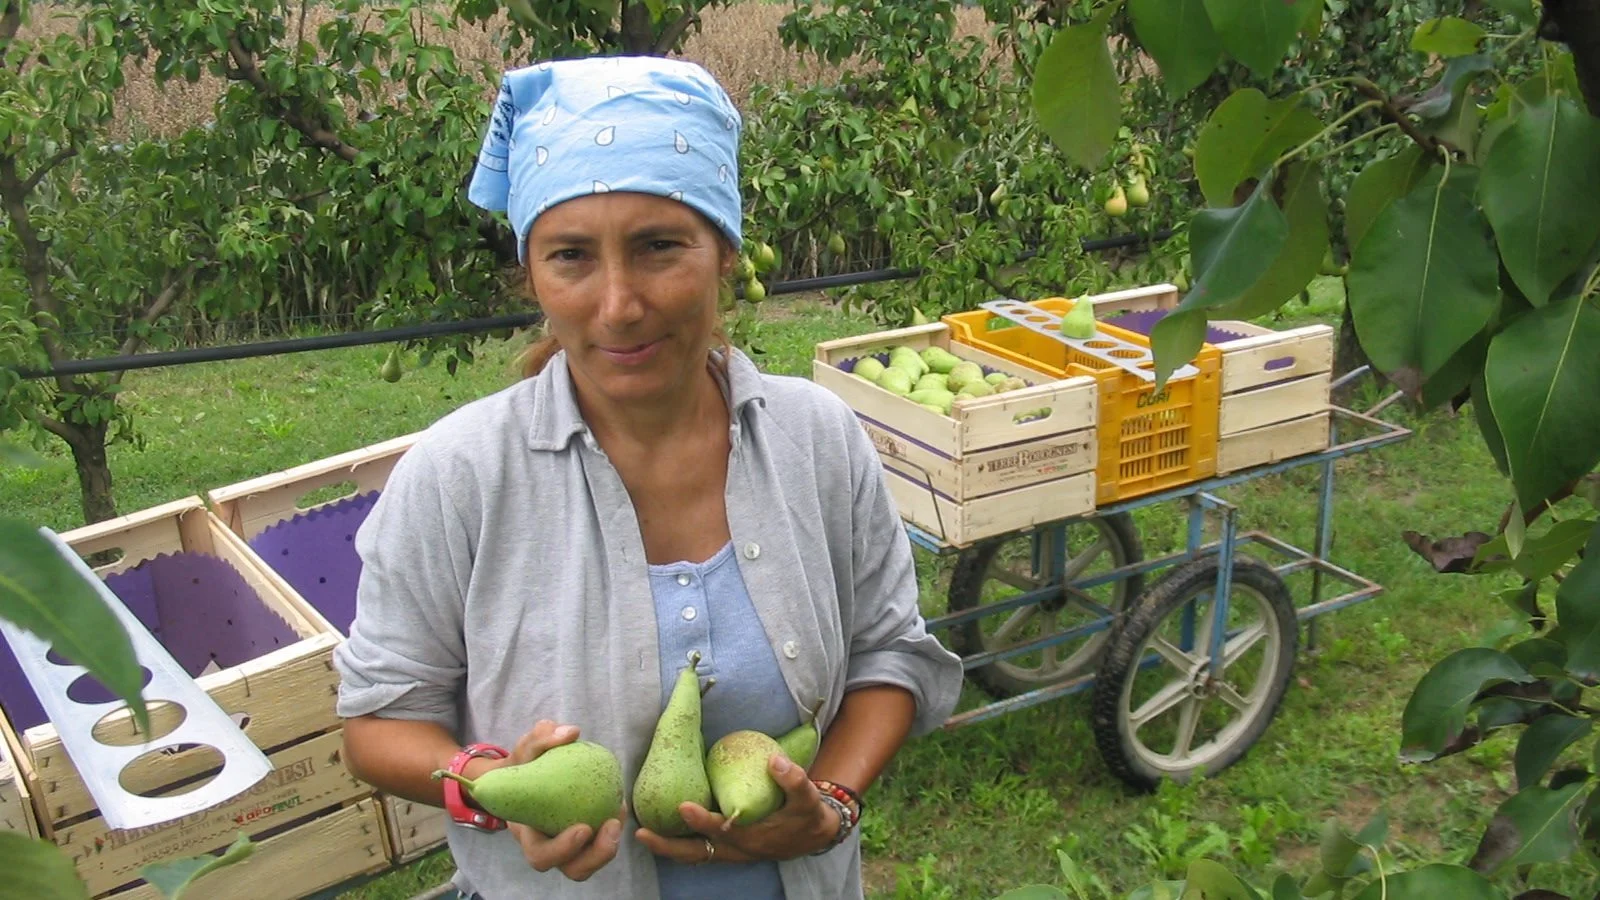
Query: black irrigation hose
column 432, row 329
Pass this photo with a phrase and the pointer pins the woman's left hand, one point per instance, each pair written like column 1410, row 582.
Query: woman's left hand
column 803, row 825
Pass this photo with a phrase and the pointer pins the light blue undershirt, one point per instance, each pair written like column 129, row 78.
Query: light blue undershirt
column 705, row 607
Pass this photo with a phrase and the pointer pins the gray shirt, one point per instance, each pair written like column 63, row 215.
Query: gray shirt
column 504, row 580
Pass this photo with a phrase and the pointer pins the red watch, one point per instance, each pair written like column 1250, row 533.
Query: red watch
column 455, row 802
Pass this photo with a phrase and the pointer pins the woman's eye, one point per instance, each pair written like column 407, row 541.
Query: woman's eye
column 662, row 246
column 569, row 255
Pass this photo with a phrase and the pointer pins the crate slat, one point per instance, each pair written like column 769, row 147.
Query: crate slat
column 1286, row 401
column 305, row 778
column 249, row 507
column 1272, row 443
column 414, row 828
column 318, row 854
column 1268, row 356
column 962, row 524
column 17, row 811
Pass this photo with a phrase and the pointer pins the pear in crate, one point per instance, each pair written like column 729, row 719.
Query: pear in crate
column 737, row 767
column 940, row 360
column 895, row 381
column 963, row 374
column 674, row 768
column 976, row 388
column 994, row 378
column 932, row 381
column 563, row 786
column 869, row 368
column 903, row 357
column 933, row 397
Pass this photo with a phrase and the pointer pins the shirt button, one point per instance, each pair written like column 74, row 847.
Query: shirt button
column 790, row 650
column 683, row 580
column 752, row 550
column 688, row 614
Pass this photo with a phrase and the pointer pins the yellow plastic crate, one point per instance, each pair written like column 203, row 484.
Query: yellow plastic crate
column 1148, row 441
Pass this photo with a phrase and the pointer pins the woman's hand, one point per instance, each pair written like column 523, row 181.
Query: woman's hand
column 578, row 851
column 803, row 825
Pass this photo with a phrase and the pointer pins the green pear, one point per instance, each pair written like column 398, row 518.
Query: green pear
column 936, row 397
column 563, row 786
column 932, row 381
column 1079, row 322
column 904, row 357
column 895, row 381
column 737, row 766
column 978, row 388
column 801, row 744
column 1010, row 383
column 963, row 374
column 869, row 368
column 994, row 378
column 674, row 769
column 940, row 360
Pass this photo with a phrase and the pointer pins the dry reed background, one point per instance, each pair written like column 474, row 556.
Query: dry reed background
column 738, row 44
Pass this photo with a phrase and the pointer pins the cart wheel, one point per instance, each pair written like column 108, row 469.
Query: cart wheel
column 1009, row 566
column 1169, row 717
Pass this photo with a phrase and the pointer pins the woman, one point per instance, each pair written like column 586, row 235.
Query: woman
column 543, row 561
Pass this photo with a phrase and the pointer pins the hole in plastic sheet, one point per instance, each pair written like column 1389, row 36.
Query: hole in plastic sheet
column 326, row 494
column 1282, row 362
column 1129, row 354
column 55, row 656
column 118, row 729
column 1099, row 345
column 150, row 774
column 89, row 689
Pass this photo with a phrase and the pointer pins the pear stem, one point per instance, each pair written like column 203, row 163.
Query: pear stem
column 710, row 683
column 466, row 782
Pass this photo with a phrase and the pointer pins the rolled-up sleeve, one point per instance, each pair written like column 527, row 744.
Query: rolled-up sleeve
column 890, row 643
column 405, row 657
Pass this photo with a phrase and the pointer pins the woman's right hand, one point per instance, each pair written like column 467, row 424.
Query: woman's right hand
column 578, row 851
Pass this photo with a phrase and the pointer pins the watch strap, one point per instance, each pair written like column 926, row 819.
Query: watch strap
column 455, row 800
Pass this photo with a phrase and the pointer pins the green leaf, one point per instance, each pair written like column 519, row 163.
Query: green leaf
column 1075, row 91
column 1422, row 283
column 38, row 870
column 1243, row 136
column 1538, row 183
column 1230, row 249
column 1437, row 710
column 1208, row 880
column 1158, row 890
column 1543, row 555
column 1432, row 882
column 1541, row 376
column 173, row 877
column 1306, row 211
column 42, row 593
column 1178, row 36
column 1377, row 186
column 1285, row 888
column 1541, row 745
column 1447, row 36
column 1487, row 426
column 1257, row 32
column 1537, row 825
column 1456, row 376
column 1578, row 612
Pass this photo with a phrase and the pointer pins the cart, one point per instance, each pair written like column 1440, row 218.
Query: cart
column 1187, row 671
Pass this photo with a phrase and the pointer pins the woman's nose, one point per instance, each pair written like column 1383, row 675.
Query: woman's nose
column 620, row 302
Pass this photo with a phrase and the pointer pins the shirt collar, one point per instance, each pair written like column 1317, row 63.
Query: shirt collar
column 557, row 418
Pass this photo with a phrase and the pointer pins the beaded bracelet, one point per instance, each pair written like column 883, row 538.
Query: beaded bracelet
column 847, row 803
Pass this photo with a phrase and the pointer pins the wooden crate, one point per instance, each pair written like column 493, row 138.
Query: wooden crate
column 251, row 507
column 283, row 696
column 1275, row 384
column 310, row 856
column 307, row 778
column 1036, row 445
column 16, row 793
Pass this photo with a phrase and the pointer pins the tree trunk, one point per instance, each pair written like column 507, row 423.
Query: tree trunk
column 638, row 32
column 1348, row 356
column 88, row 443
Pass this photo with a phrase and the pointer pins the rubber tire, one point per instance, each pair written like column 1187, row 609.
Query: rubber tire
column 1121, row 658
column 966, row 591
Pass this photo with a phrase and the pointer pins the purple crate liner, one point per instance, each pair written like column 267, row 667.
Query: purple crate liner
column 1143, row 322
column 198, row 606
column 316, row 553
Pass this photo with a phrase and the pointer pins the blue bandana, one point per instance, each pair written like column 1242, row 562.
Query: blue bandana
column 570, row 128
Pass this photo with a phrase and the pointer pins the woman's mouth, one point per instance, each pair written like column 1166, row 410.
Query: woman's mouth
column 631, row 354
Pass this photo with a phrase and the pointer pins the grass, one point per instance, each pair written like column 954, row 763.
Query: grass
column 971, row 812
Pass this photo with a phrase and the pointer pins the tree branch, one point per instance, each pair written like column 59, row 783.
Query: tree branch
column 637, row 29
column 35, row 263
column 244, row 68
column 158, row 307
column 59, row 429
column 674, row 32
column 1393, row 114
column 44, row 169
column 10, row 24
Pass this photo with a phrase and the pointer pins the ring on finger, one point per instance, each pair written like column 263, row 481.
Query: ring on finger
column 711, row 850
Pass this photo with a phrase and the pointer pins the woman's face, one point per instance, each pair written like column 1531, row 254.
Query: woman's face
column 628, row 283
